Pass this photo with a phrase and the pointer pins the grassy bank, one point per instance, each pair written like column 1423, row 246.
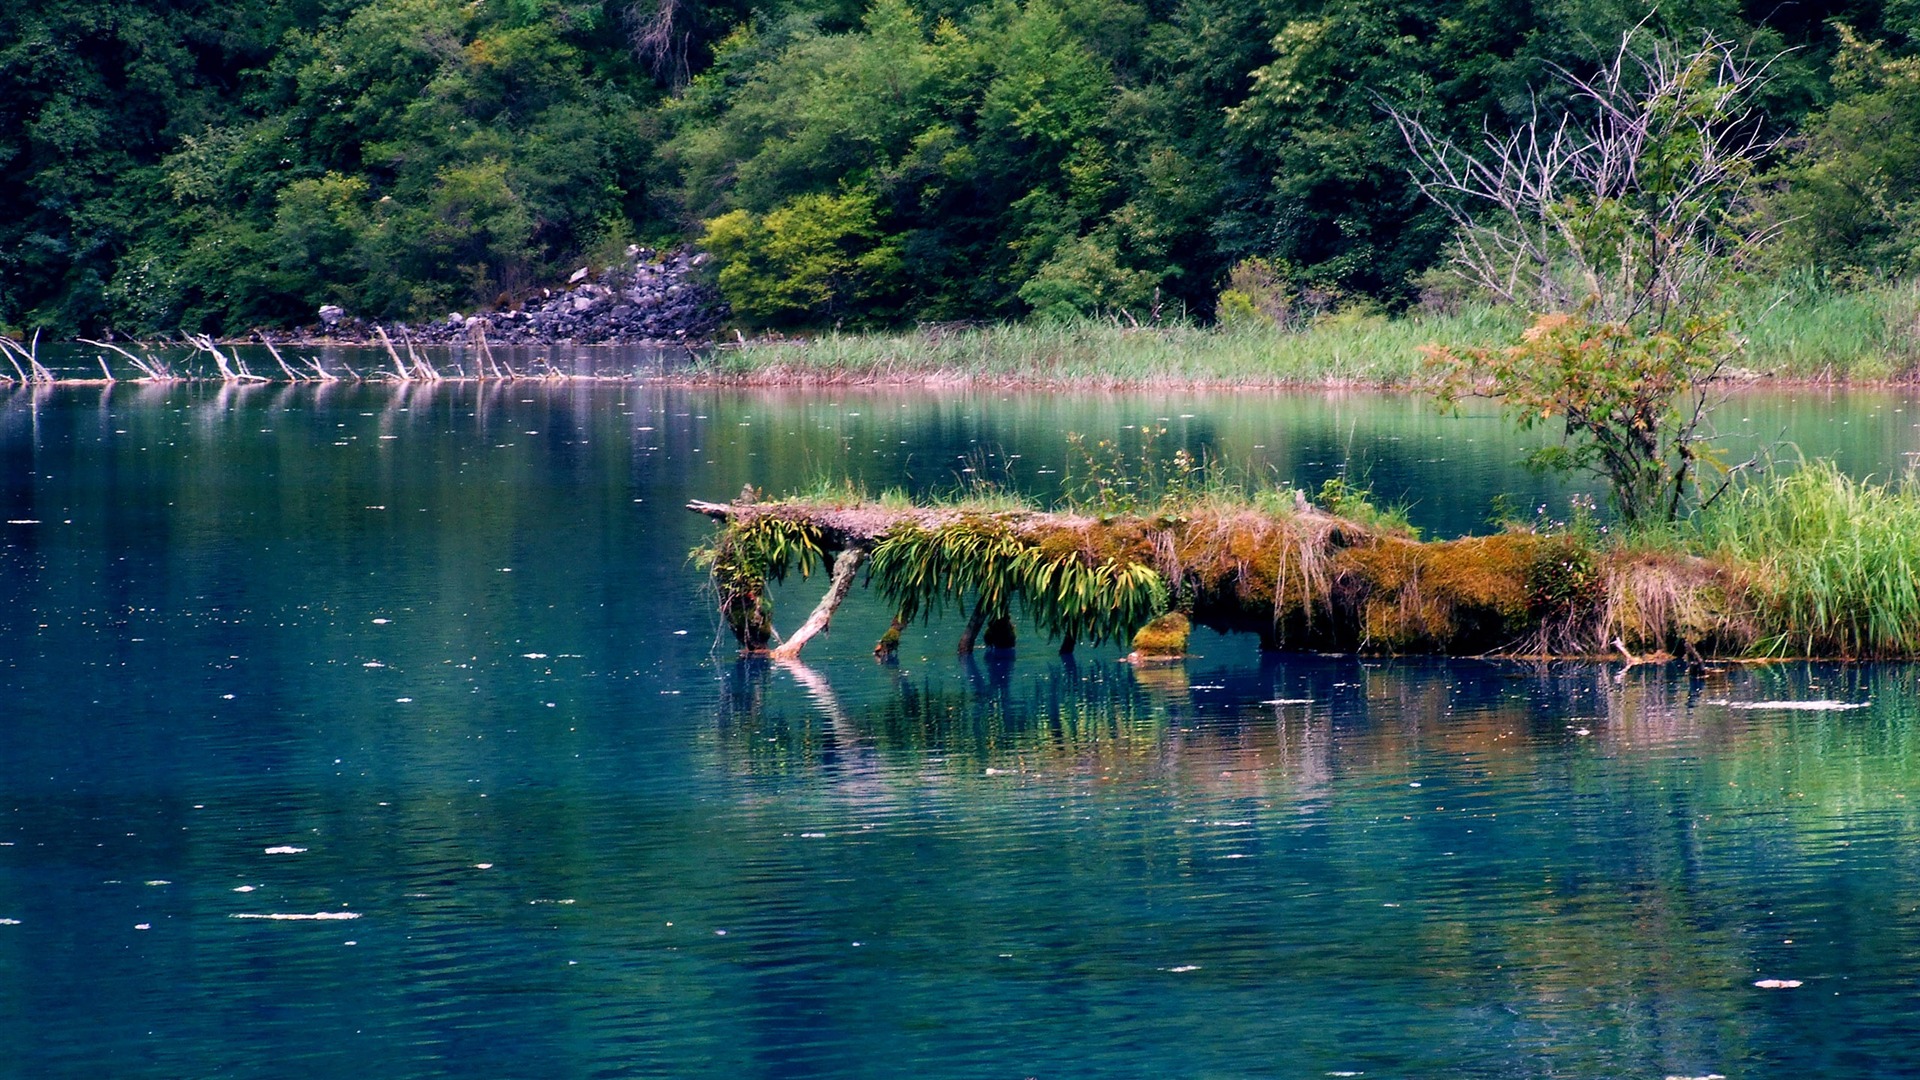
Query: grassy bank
column 1793, row 331
column 1807, row 563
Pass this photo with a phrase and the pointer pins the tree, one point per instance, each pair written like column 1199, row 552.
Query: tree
column 1851, row 197
column 816, row 256
column 1622, row 227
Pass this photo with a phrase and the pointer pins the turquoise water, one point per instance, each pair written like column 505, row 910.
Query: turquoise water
column 432, row 663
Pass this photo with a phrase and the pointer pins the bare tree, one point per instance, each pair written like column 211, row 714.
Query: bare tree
column 1634, row 201
column 1618, row 222
column 659, row 37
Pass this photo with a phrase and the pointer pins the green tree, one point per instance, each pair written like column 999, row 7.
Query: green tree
column 817, row 257
column 1624, row 232
column 1850, row 201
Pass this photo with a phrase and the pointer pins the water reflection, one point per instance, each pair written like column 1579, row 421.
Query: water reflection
column 1556, row 870
column 443, row 639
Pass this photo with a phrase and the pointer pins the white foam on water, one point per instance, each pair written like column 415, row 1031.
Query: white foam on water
column 1777, row 984
column 281, row 916
column 483, row 866
column 159, row 881
column 373, row 663
column 1182, row 967
column 1288, row 701
column 9, row 922
column 23, row 521
column 534, row 655
column 246, row 888
column 284, row 849
column 381, row 622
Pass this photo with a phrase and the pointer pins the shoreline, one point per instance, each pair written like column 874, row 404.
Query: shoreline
column 929, row 381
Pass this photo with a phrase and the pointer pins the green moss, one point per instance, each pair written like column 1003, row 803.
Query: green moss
column 1165, row 638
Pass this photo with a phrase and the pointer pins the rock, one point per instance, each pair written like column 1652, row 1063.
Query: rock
column 331, row 314
column 647, row 299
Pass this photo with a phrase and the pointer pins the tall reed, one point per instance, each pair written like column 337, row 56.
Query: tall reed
column 1837, row 560
column 1350, row 349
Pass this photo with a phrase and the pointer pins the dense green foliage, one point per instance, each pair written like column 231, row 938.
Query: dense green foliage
column 182, row 164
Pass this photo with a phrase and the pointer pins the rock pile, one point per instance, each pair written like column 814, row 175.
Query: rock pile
column 648, row 299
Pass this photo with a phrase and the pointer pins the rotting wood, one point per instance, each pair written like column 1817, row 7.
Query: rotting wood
column 1295, row 575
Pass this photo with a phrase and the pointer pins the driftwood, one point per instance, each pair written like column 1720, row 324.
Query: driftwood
column 845, row 566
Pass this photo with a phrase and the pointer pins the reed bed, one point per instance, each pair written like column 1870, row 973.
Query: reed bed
column 1342, row 350
column 1793, row 329
column 1834, row 561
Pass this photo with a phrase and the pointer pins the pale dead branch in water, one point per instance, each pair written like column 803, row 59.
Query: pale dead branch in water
column 34, row 371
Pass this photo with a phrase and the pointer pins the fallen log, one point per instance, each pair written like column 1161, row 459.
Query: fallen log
column 1291, row 573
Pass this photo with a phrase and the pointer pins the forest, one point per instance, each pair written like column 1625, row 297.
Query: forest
column 173, row 166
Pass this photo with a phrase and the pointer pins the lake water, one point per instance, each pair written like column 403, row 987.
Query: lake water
column 432, row 663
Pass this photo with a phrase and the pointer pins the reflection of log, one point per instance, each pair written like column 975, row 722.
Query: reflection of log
column 844, row 568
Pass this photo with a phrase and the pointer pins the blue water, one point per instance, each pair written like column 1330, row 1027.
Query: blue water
column 436, row 660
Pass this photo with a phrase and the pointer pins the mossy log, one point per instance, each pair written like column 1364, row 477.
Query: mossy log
column 1295, row 575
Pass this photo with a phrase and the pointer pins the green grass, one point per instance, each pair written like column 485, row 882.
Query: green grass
column 1837, row 560
column 1795, row 328
column 1342, row 349
column 1809, row 331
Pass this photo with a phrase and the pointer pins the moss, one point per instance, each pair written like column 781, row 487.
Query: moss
column 1297, row 577
column 1165, row 638
column 1460, row 596
column 1667, row 602
column 889, row 644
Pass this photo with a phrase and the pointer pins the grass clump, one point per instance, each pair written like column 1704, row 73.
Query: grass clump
column 1835, row 561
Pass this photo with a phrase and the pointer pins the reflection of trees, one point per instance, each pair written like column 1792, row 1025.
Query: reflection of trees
column 1577, row 900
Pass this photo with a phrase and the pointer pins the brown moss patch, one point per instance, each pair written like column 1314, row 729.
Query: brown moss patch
column 1659, row 601
column 1467, row 595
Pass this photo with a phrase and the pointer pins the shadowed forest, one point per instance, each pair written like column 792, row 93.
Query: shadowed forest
column 178, row 166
